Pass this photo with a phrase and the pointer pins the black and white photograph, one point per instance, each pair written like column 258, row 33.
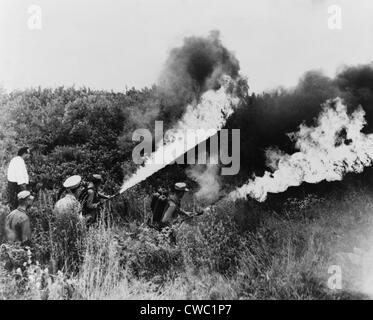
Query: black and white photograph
column 186, row 154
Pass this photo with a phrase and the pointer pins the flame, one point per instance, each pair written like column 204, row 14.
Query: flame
column 327, row 151
column 210, row 114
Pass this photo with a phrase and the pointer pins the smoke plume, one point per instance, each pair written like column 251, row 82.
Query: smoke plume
column 198, row 89
column 210, row 114
column 326, row 152
column 208, row 179
column 191, row 70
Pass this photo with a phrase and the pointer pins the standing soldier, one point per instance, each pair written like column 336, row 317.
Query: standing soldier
column 91, row 199
column 69, row 223
column 69, row 204
column 17, row 223
column 18, row 178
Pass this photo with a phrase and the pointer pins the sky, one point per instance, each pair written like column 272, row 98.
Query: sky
column 119, row 44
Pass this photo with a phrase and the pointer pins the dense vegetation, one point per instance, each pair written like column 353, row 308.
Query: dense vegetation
column 84, row 131
column 280, row 249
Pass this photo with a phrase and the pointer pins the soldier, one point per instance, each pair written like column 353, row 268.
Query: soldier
column 17, row 223
column 173, row 209
column 158, row 204
column 69, row 204
column 17, row 175
column 91, row 199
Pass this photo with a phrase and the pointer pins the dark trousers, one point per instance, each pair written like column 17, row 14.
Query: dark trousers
column 13, row 190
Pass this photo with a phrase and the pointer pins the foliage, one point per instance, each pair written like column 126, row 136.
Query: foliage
column 280, row 249
column 71, row 131
column 4, row 210
column 212, row 243
column 151, row 254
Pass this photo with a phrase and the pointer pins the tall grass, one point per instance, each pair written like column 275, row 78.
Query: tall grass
column 285, row 256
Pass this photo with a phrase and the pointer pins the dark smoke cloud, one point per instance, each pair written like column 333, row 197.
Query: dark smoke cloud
column 266, row 118
column 192, row 69
column 188, row 72
column 356, row 85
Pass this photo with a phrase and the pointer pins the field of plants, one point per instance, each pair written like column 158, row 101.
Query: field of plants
column 280, row 249
column 236, row 251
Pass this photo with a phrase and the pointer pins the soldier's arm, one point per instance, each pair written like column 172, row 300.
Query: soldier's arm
column 90, row 204
column 26, row 232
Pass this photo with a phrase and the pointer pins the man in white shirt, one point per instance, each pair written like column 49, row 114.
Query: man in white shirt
column 18, row 178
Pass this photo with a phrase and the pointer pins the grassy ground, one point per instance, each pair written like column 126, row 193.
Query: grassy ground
column 237, row 251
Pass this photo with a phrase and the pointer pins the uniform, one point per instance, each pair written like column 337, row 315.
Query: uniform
column 90, row 199
column 17, row 223
column 69, row 205
column 17, row 226
column 173, row 209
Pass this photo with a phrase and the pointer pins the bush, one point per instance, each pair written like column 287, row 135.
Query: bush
column 149, row 253
column 68, row 238
column 4, row 211
column 100, row 270
column 213, row 242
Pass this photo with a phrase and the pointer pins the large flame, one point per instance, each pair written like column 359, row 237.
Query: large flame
column 210, row 114
column 327, row 151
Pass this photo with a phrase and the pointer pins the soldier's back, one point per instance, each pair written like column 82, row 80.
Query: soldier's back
column 14, row 224
column 67, row 205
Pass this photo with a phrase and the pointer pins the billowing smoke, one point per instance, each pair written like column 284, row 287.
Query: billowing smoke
column 265, row 118
column 210, row 114
column 327, row 151
column 356, row 84
column 192, row 69
column 198, row 89
column 208, row 179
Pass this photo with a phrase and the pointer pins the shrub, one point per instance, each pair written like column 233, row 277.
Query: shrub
column 149, row 254
column 213, row 242
column 68, row 235
column 4, row 211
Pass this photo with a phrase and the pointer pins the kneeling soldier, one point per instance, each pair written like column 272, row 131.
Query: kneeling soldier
column 169, row 206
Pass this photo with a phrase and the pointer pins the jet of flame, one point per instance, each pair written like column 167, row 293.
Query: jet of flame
column 327, row 151
column 210, row 114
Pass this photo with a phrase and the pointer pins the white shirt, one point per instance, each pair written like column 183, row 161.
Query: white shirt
column 17, row 171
